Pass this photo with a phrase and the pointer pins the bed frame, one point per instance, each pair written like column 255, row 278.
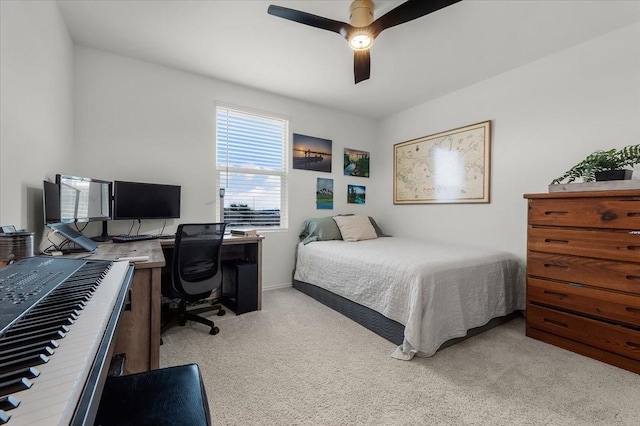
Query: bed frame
column 391, row 330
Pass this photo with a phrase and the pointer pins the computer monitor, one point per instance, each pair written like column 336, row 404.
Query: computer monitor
column 51, row 202
column 84, row 199
column 137, row 200
column 52, row 218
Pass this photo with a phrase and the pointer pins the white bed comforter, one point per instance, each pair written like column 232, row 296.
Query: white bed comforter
column 436, row 291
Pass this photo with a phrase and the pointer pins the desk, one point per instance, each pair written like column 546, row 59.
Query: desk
column 249, row 248
column 138, row 333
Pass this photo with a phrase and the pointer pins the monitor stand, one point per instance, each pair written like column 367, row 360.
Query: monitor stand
column 105, row 234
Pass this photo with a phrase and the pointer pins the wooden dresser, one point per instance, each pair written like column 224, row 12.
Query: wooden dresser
column 583, row 273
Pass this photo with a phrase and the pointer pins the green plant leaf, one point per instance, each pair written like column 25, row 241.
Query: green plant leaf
column 600, row 161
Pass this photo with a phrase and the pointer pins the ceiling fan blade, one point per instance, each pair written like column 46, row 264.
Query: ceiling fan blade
column 408, row 11
column 361, row 65
column 309, row 19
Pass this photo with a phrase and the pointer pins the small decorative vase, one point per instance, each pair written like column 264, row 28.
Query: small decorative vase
column 613, row 175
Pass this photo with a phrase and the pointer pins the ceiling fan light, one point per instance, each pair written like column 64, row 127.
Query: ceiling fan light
column 361, row 41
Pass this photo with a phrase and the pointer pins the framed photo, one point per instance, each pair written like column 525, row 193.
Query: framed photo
column 356, row 194
column 311, row 153
column 448, row 167
column 356, row 163
column 324, row 194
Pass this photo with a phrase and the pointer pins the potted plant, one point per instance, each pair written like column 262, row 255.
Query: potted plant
column 603, row 165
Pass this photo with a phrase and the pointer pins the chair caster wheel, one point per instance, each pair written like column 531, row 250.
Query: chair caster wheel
column 221, row 312
column 214, row 331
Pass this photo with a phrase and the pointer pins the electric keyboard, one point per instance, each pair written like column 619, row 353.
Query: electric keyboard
column 131, row 238
column 58, row 318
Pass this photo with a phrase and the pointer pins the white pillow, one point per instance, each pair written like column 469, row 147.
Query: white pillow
column 355, row 228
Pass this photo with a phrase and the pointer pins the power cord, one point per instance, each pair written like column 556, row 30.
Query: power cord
column 52, row 245
column 133, row 222
column 163, row 225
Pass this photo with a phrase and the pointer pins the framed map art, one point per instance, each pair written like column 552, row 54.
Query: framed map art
column 447, row 167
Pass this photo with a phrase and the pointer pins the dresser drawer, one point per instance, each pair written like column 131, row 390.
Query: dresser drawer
column 623, row 276
column 612, row 338
column 619, row 213
column 598, row 303
column 588, row 243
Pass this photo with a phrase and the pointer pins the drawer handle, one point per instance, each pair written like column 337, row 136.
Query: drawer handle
column 633, row 214
column 633, row 247
column 551, row 265
column 607, row 215
column 634, row 345
column 549, row 240
column 633, row 310
column 556, row 213
column 558, row 323
column 553, row 293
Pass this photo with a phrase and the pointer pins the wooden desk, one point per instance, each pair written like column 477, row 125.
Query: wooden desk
column 138, row 333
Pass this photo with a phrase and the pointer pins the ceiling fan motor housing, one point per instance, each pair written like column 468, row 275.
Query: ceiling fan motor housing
column 361, row 13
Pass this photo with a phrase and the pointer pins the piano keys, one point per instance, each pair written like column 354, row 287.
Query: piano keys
column 57, row 322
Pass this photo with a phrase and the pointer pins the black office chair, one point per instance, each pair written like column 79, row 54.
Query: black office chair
column 194, row 273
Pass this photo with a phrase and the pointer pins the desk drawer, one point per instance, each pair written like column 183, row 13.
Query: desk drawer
column 620, row 213
column 589, row 243
column 598, row 303
column 612, row 338
column 623, row 276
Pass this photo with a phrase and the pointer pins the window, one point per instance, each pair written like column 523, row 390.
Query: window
column 251, row 168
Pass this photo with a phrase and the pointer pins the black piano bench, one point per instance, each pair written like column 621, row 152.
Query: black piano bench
column 169, row 396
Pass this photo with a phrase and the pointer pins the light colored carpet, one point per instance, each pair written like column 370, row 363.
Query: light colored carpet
column 297, row 362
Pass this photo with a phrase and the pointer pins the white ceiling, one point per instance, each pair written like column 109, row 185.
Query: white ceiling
column 239, row 42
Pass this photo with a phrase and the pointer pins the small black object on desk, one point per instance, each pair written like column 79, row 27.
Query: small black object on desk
column 132, row 238
column 168, row 396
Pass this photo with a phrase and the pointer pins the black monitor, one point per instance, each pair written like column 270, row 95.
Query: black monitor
column 51, row 202
column 84, row 199
column 137, row 200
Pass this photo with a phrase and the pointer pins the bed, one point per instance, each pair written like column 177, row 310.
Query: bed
column 419, row 295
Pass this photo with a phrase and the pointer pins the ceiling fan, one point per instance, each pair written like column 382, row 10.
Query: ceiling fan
column 362, row 29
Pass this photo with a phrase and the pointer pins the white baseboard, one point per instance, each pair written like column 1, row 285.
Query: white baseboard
column 276, row 286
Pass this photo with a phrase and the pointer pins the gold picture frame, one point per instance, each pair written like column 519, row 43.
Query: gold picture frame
column 448, row 167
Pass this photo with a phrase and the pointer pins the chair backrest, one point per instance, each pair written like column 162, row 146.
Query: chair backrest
column 196, row 259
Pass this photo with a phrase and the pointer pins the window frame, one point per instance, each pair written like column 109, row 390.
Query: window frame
column 225, row 169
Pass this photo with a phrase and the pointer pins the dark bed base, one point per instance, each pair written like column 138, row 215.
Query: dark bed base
column 389, row 329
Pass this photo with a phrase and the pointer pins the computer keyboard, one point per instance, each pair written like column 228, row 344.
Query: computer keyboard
column 131, row 238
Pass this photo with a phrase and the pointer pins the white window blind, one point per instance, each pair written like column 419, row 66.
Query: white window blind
column 251, row 153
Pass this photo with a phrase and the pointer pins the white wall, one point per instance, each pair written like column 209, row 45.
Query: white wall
column 138, row 121
column 143, row 122
column 36, row 107
column 547, row 116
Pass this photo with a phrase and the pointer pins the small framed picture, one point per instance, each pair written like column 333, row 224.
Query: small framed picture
column 356, row 194
column 324, row 194
column 356, row 163
column 310, row 153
